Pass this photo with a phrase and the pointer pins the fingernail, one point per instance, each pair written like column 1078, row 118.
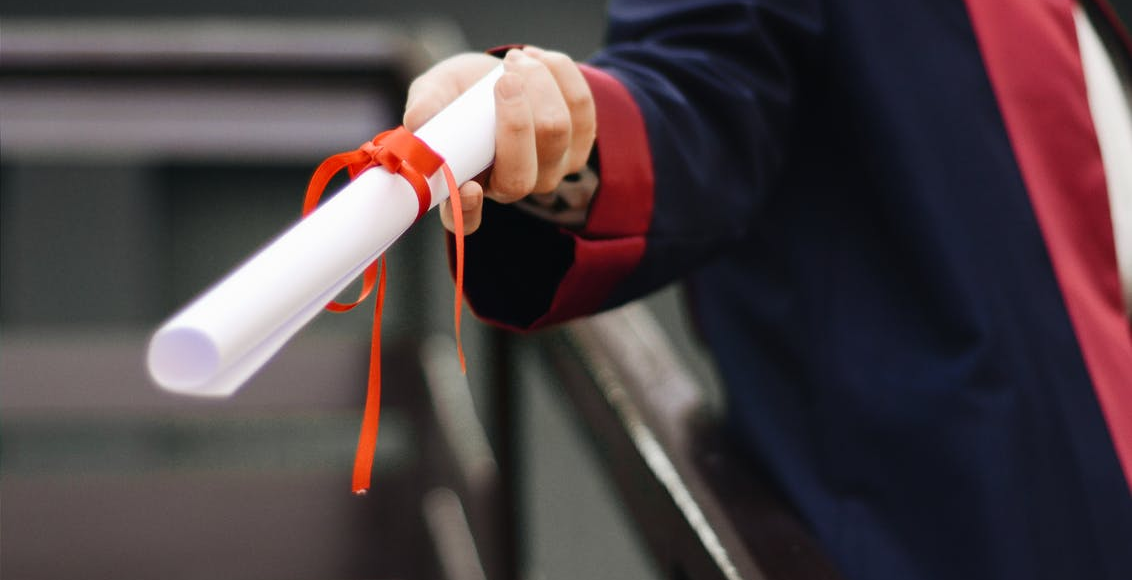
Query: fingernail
column 533, row 50
column 470, row 202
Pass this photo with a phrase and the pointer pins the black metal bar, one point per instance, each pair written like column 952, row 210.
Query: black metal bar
column 705, row 511
column 506, row 439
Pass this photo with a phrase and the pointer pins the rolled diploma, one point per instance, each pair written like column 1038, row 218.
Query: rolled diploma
column 223, row 337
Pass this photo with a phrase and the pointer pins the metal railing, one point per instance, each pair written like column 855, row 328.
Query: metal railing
column 703, row 509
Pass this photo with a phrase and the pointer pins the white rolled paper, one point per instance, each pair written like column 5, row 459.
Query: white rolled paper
column 222, row 338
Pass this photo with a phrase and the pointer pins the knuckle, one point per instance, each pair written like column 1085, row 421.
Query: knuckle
column 579, row 100
column 525, row 65
column 550, row 175
column 578, row 161
column 509, row 188
column 553, row 128
column 534, row 63
column 557, row 59
column 514, row 125
column 547, row 183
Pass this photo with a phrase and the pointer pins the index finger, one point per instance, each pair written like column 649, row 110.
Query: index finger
column 441, row 84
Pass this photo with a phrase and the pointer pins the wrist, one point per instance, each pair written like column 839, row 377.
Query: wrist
column 569, row 204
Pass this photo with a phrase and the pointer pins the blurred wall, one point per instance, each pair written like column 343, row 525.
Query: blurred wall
column 574, row 27
column 88, row 246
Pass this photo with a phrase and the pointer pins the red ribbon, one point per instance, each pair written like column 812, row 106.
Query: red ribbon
column 400, row 153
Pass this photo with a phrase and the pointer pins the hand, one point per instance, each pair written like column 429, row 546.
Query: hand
column 545, row 122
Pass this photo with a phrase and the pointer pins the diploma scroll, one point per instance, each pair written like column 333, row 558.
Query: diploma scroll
column 222, row 338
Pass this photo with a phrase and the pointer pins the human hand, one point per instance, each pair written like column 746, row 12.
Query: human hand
column 545, row 123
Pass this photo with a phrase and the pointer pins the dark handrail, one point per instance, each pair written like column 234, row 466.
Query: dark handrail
column 703, row 510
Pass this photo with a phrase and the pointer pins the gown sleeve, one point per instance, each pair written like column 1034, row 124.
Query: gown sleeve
column 694, row 103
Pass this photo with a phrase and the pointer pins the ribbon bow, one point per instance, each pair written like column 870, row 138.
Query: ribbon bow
column 399, row 152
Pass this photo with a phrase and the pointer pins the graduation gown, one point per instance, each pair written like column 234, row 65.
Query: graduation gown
column 893, row 222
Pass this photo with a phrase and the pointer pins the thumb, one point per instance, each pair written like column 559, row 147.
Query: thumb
column 471, row 202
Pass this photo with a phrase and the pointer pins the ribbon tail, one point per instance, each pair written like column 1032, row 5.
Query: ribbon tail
column 399, row 152
column 367, row 439
column 458, row 225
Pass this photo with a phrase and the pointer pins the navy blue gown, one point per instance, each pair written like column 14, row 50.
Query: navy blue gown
column 891, row 216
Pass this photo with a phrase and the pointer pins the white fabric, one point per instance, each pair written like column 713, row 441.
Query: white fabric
column 569, row 203
column 1110, row 100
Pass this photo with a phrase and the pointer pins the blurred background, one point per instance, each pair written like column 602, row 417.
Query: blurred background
column 575, row 27
column 147, row 148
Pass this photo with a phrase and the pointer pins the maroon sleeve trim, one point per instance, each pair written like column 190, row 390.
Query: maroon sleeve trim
column 612, row 243
column 624, row 201
column 598, row 266
column 595, row 259
column 501, row 50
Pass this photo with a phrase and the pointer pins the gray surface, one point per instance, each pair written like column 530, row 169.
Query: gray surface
column 574, row 26
column 104, row 476
column 77, row 245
